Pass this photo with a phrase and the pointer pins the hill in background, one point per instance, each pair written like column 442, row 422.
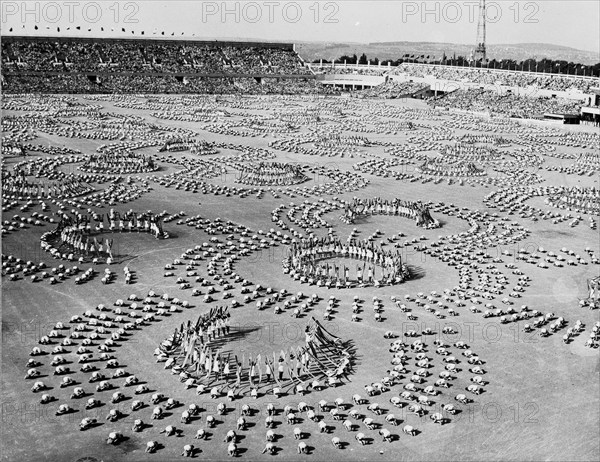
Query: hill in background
column 311, row 51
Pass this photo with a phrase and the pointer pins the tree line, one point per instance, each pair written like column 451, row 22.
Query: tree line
column 530, row 65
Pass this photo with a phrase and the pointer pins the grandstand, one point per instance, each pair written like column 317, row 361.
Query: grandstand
column 591, row 112
column 90, row 65
column 466, row 76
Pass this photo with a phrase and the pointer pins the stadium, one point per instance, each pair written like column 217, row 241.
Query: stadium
column 226, row 249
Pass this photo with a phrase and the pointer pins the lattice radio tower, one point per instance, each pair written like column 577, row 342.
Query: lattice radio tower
column 480, row 51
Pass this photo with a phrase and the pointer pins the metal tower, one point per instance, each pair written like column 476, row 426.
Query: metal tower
column 480, row 51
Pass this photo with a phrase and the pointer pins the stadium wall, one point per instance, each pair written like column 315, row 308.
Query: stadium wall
column 348, row 79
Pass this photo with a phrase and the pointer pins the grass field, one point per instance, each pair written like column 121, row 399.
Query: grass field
column 541, row 402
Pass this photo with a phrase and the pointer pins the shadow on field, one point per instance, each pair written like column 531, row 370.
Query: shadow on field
column 416, row 272
column 235, row 334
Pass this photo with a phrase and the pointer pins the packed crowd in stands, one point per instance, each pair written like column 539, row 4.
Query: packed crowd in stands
column 282, row 87
column 393, row 90
column 465, row 74
column 137, row 56
column 507, row 105
column 148, row 83
column 349, row 69
column 493, row 77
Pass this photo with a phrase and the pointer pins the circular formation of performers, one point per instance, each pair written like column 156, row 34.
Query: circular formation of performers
column 583, row 200
column 203, row 356
column 16, row 184
column 271, row 174
column 363, row 207
column 305, row 263
column 81, row 236
column 438, row 167
column 119, row 163
column 193, row 353
column 196, row 147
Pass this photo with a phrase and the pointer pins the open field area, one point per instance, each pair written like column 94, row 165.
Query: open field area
column 246, row 185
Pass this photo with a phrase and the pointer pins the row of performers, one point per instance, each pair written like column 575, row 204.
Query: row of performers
column 128, row 221
column 251, row 369
column 214, row 325
column 274, row 173
column 123, row 162
column 583, row 199
column 75, row 233
column 19, row 186
column 447, row 168
column 75, row 241
column 201, row 148
column 305, row 256
column 378, row 206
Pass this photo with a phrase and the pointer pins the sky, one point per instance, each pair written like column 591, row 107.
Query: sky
column 572, row 23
